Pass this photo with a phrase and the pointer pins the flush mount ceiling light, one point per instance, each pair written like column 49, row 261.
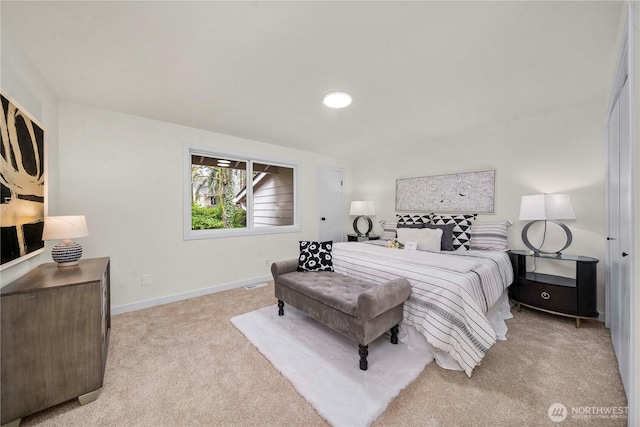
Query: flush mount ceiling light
column 337, row 99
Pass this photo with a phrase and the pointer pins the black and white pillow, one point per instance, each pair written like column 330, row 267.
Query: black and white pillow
column 411, row 221
column 315, row 256
column 461, row 229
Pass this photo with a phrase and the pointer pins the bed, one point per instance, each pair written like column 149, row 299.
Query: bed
column 458, row 301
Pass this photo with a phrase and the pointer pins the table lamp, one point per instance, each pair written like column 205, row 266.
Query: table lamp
column 362, row 209
column 65, row 228
column 546, row 207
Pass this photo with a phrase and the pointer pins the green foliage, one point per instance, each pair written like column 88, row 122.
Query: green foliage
column 207, row 218
column 220, row 184
column 239, row 218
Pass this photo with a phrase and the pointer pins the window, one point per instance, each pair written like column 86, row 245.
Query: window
column 230, row 196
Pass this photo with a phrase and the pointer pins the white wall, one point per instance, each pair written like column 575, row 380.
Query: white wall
column 20, row 80
column 125, row 173
column 557, row 152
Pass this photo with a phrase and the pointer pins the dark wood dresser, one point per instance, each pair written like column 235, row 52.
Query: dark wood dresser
column 55, row 324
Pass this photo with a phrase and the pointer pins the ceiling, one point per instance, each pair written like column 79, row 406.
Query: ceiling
column 419, row 72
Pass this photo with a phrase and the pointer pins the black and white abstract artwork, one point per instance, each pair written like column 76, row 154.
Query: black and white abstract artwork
column 22, row 182
column 469, row 192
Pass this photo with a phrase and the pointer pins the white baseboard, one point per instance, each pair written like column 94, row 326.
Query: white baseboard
column 179, row 297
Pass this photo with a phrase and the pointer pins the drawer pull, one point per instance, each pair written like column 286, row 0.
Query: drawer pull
column 545, row 295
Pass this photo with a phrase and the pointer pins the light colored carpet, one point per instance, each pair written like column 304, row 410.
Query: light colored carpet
column 324, row 366
column 185, row 364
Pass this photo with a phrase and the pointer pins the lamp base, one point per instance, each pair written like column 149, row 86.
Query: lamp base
column 355, row 225
column 66, row 254
column 538, row 251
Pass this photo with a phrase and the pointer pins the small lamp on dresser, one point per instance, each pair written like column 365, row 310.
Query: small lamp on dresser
column 362, row 209
column 546, row 207
column 67, row 253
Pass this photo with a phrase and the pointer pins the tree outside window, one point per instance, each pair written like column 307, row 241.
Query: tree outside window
column 222, row 199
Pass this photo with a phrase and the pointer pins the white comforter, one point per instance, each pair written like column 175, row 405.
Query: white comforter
column 451, row 292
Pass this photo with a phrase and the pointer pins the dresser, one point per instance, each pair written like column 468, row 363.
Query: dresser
column 55, row 324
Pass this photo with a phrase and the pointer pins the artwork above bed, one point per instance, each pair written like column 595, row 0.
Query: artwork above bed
column 460, row 192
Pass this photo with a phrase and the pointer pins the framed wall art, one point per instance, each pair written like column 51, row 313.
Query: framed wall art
column 22, row 184
column 470, row 192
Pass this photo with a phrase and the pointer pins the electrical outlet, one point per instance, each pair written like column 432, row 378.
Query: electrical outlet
column 265, row 262
column 146, row 280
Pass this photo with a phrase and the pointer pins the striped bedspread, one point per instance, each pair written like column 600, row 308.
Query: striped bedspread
column 451, row 292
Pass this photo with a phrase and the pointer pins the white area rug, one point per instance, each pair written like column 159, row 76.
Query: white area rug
column 324, row 366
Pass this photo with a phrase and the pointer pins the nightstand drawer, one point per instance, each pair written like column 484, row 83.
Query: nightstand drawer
column 550, row 297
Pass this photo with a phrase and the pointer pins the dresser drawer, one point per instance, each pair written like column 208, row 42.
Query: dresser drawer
column 548, row 296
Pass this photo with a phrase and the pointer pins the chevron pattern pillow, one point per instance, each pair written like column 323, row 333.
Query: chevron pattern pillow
column 461, row 229
column 411, row 221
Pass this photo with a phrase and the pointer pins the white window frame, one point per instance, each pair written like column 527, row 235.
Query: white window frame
column 249, row 230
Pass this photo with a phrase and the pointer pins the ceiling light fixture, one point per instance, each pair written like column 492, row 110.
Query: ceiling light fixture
column 337, row 99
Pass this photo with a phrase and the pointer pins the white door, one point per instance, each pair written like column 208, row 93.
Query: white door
column 330, row 204
column 619, row 233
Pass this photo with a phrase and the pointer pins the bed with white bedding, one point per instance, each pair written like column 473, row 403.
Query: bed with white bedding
column 458, row 301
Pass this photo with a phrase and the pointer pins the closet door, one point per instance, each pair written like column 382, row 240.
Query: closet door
column 619, row 232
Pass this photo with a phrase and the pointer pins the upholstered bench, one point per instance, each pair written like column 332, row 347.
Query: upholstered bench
column 360, row 310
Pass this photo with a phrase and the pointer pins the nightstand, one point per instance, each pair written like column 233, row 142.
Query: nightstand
column 559, row 295
column 356, row 238
column 55, row 333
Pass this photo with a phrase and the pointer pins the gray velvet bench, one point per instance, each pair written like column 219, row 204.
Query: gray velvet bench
column 360, row 310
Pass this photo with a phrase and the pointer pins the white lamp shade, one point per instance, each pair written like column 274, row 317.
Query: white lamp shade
column 362, row 207
column 546, row 207
column 64, row 227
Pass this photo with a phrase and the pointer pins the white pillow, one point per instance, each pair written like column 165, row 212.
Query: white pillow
column 428, row 238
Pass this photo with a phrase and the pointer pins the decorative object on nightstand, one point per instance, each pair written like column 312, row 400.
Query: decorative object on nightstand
column 65, row 228
column 362, row 209
column 559, row 295
column 547, row 208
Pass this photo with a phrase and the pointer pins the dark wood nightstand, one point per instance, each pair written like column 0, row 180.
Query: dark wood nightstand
column 564, row 296
column 356, row 238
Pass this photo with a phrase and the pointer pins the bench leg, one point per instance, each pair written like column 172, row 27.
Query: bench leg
column 364, row 352
column 394, row 335
column 280, row 308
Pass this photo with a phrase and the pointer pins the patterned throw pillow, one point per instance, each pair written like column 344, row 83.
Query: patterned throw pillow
column 461, row 228
column 315, row 256
column 388, row 229
column 490, row 235
column 410, row 221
